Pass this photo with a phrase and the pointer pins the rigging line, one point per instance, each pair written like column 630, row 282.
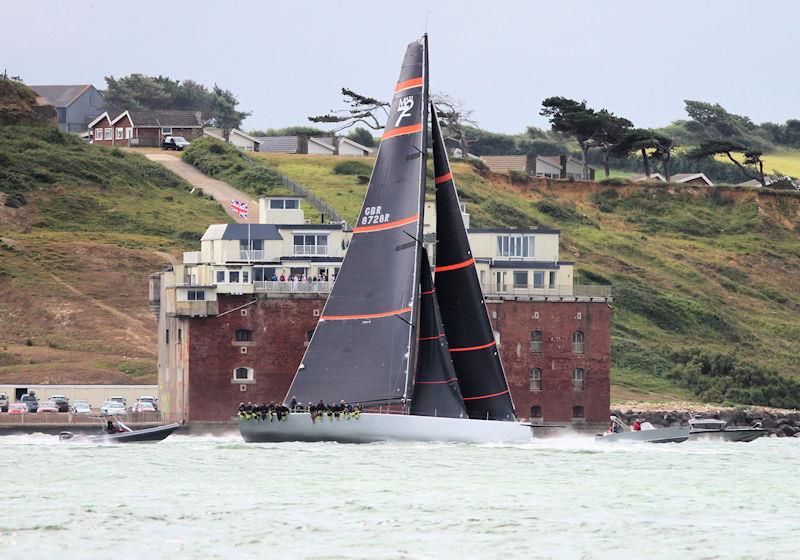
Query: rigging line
column 406, row 322
column 412, row 237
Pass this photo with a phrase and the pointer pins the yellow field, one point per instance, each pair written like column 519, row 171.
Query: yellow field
column 784, row 161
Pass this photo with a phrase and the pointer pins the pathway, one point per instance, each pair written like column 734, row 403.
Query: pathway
column 221, row 191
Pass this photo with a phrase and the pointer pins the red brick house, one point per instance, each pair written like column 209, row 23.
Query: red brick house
column 144, row 128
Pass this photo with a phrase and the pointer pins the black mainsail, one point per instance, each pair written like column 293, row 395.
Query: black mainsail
column 436, row 391
column 466, row 321
column 363, row 349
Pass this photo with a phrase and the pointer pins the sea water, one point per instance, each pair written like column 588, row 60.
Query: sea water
column 218, row 497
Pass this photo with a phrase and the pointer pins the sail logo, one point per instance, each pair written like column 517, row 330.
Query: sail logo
column 404, row 106
column 373, row 215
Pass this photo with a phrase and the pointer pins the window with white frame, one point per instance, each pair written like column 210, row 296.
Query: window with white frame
column 243, row 374
column 98, row 133
column 515, row 246
column 311, row 244
column 220, row 277
column 166, row 130
column 536, row 379
column 536, row 341
column 119, row 132
column 233, row 276
column 578, row 342
column 107, row 135
column 128, row 132
column 520, row 278
column 538, row 279
column 578, row 379
column 551, row 279
column 196, row 295
column 284, row 204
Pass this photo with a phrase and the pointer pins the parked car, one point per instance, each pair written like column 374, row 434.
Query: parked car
column 47, row 406
column 61, row 402
column 113, row 408
column 18, row 408
column 143, row 406
column 31, row 401
column 81, row 407
column 3, row 402
column 151, row 400
column 177, row 143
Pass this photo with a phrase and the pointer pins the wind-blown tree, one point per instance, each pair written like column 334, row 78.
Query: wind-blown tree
column 458, row 124
column 362, row 136
column 651, row 144
column 610, row 133
column 224, row 114
column 574, row 119
column 362, row 109
column 752, row 166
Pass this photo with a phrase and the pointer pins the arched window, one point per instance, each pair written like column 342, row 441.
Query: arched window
column 578, row 379
column 536, row 341
column 577, row 412
column 578, row 342
column 536, row 411
column 243, row 374
column 536, row 379
column 243, row 335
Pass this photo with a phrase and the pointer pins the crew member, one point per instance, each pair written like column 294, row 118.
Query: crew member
column 637, row 426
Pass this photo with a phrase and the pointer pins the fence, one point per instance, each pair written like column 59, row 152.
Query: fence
column 289, row 287
column 567, row 290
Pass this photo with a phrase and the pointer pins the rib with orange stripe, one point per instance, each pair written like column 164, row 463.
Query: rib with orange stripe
column 436, row 389
column 467, row 327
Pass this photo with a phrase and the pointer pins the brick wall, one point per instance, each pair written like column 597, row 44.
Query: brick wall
column 280, row 328
column 279, row 333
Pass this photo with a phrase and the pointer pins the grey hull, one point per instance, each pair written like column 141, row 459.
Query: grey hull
column 148, row 434
column 659, row 435
column 728, row 434
column 369, row 428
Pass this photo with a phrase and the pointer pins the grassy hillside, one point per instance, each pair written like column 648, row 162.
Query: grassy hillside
column 81, row 228
column 706, row 281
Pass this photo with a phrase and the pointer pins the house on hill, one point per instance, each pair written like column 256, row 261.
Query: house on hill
column 236, row 138
column 279, row 144
column 144, row 128
column 685, row 178
column 323, row 146
column 550, row 167
column 76, row 105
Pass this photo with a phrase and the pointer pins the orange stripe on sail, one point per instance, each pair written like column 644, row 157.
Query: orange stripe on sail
column 401, row 130
column 485, row 396
column 455, row 266
column 427, row 293
column 407, row 84
column 438, row 336
column 387, row 225
column 434, row 382
column 444, row 178
column 367, row 316
column 470, row 348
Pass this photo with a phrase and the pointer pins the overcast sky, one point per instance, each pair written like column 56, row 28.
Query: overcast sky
column 286, row 60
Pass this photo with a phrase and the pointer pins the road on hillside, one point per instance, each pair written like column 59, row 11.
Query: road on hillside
column 221, row 191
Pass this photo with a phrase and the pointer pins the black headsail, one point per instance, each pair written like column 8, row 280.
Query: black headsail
column 466, row 322
column 363, row 348
column 436, row 391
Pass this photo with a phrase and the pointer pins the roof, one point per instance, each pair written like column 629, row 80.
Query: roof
column 267, row 232
column 546, row 265
column 556, row 160
column 652, row 177
column 61, row 96
column 498, row 164
column 512, row 230
column 355, row 144
column 278, row 144
column 323, row 142
column 154, row 119
column 309, row 226
column 218, row 133
column 686, row 177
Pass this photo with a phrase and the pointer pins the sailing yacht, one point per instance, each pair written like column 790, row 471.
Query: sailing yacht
column 390, row 337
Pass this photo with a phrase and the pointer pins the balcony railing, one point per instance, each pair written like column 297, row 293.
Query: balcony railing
column 289, row 287
column 566, row 290
column 316, row 250
column 246, row 255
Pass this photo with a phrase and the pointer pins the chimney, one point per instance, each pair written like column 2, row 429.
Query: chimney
column 562, row 161
column 530, row 165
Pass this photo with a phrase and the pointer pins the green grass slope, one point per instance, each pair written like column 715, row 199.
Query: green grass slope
column 706, row 282
column 81, row 228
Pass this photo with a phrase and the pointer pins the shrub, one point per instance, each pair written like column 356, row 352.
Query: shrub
column 352, row 167
column 517, row 177
column 562, row 212
column 362, row 179
column 15, row 200
column 614, row 182
column 478, row 164
column 507, row 214
column 605, row 200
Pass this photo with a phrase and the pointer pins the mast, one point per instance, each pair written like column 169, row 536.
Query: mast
column 436, row 390
column 466, row 322
column 364, row 346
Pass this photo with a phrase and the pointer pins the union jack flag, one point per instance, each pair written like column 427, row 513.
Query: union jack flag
column 239, row 208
